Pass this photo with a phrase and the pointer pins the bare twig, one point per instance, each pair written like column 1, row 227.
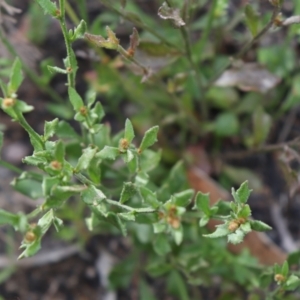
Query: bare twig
column 266, row 148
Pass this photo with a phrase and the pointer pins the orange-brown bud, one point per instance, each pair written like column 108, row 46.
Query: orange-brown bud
column 56, row 165
column 8, row 102
column 30, row 237
column 279, row 278
column 83, row 110
column 174, row 222
column 233, row 226
column 123, row 144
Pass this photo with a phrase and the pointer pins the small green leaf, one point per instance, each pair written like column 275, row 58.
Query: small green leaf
column 236, row 237
column 16, row 77
column 45, row 221
column 177, row 234
column 285, row 269
column 292, row 282
column 222, row 230
column 7, row 218
column 149, row 160
column 245, row 212
column 129, row 132
column 58, row 223
column 50, row 129
column 262, row 123
column 149, row 138
column 92, row 195
column 149, row 197
column 183, row 198
column 86, row 158
column 54, row 69
column 48, row 6
column 246, row 227
column 75, row 99
column 59, row 151
column 226, row 124
column 203, row 221
column 242, row 194
column 161, row 244
column 159, row 227
column 129, row 189
column 108, row 153
column 79, row 30
column 202, row 203
column 128, row 216
column 259, row 226
column 252, row 19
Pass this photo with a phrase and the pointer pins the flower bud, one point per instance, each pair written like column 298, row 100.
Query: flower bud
column 233, row 226
column 8, row 102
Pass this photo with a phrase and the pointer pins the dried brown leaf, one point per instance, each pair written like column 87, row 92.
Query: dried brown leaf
column 169, row 13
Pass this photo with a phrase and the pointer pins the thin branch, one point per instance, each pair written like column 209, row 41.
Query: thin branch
column 266, row 148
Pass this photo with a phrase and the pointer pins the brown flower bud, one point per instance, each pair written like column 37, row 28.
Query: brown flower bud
column 279, row 278
column 56, row 165
column 8, row 102
column 233, row 226
column 30, row 237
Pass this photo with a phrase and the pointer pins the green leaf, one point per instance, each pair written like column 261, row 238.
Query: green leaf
column 45, row 222
column 159, row 227
column 108, row 153
column 202, row 203
column 149, row 160
column 75, row 99
column 226, row 124
column 59, row 151
column 48, row 6
column 29, row 187
column 183, row 198
column 149, row 138
column 50, row 129
column 129, row 189
column 16, row 77
column 79, row 30
column 58, row 223
column 203, row 221
column 177, row 234
column 236, row 237
column 127, row 216
column 65, row 130
column 149, row 197
column 292, row 282
column 54, row 69
column 259, row 226
column 222, row 230
column 262, row 123
column 92, row 195
column 18, row 221
column 245, row 212
column 285, row 269
column 86, row 158
column 161, row 244
column 242, row 194
column 145, row 292
column 177, row 286
column 129, row 132
column 246, row 227
column 252, row 19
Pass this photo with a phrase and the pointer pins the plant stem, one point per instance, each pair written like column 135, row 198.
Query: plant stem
column 62, row 21
column 267, row 148
column 129, row 208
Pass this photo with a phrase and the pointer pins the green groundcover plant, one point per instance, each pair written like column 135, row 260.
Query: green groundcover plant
column 113, row 175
